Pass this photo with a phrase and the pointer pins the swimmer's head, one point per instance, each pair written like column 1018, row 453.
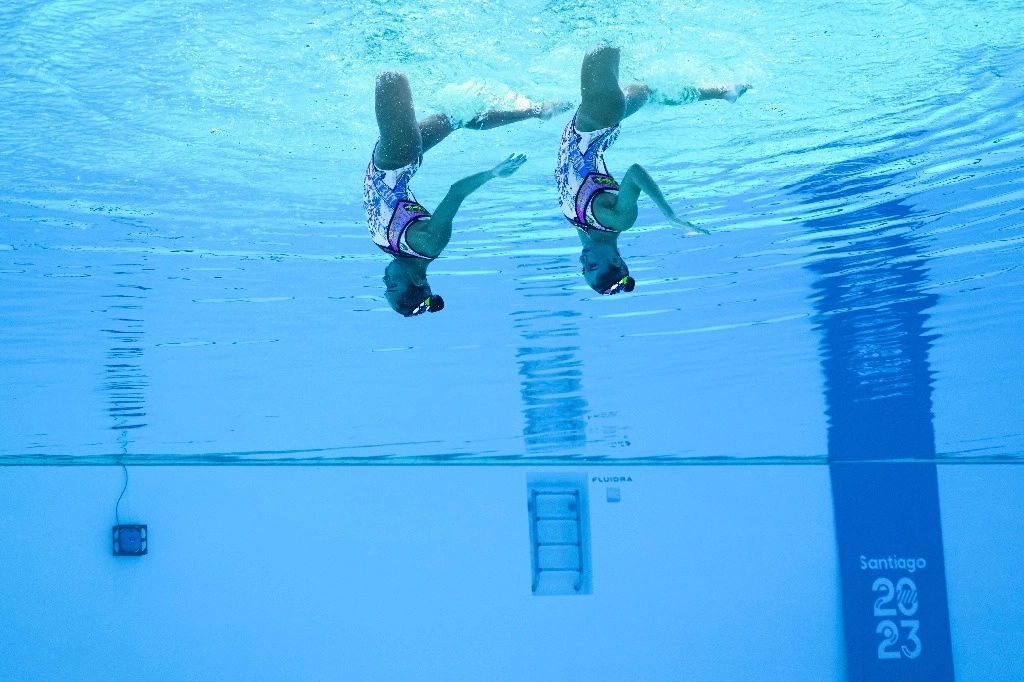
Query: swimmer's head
column 605, row 272
column 408, row 292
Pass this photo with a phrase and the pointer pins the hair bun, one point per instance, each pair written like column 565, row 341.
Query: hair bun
column 436, row 304
column 630, row 284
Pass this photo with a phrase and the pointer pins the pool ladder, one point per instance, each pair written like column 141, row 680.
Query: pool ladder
column 557, row 537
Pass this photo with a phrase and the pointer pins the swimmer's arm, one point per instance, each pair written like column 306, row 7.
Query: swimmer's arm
column 636, row 180
column 442, row 217
column 440, row 228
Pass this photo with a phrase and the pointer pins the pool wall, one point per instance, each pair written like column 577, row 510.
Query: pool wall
column 424, row 573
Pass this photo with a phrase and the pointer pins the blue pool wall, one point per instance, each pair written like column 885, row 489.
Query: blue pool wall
column 424, row 573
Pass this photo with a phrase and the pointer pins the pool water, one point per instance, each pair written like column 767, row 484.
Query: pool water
column 187, row 277
column 181, row 192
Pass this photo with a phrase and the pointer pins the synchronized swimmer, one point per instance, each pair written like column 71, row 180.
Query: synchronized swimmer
column 590, row 198
column 399, row 225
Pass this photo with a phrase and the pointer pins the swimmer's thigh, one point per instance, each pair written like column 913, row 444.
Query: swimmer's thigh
column 435, row 128
column 400, row 142
column 603, row 103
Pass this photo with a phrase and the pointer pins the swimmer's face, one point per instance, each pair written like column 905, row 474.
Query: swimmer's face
column 596, row 266
column 396, row 278
column 403, row 288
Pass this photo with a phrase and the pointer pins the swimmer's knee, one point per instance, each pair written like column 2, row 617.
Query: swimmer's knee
column 602, row 51
column 387, row 77
column 391, row 83
column 601, row 68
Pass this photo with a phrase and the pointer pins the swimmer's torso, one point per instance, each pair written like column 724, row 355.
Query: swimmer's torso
column 391, row 208
column 581, row 174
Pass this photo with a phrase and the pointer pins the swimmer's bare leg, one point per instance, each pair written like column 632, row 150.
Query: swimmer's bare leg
column 603, row 102
column 436, row 127
column 494, row 119
column 400, row 141
column 730, row 92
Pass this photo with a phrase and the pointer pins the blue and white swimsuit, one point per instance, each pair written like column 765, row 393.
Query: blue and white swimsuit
column 391, row 208
column 581, row 174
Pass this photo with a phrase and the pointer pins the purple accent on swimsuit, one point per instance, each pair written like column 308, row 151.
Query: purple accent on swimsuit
column 391, row 208
column 406, row 213
column 593, row 184
column 580, row 174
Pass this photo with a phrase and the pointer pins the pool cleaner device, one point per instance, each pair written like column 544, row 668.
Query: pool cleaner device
column 129, row 539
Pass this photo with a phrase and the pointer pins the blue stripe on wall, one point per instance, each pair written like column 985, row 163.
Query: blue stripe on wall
column 871, row 313
column 895, row 615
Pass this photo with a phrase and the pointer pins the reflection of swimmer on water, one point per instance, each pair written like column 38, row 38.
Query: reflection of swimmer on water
column 599, row 207
column 398, row 224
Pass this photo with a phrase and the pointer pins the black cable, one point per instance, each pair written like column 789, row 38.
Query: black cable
column 117, row 507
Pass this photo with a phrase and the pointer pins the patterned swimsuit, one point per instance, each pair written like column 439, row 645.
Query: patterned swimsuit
column 391, row 208
column 581, row 174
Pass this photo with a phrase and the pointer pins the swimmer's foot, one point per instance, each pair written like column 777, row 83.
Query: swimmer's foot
column 731, row 93
column 548, row 108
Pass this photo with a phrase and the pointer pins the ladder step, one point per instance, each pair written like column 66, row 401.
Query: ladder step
column 557, row 531
column 563, row 556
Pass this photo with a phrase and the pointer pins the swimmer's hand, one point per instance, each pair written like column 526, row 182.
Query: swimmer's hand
column 731, row 93
column 548, row 108
column 508, row 166
column 689, row 229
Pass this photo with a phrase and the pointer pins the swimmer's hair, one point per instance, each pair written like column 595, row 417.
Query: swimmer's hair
column 436, row 305
column 411, row 297
column 610, row 276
